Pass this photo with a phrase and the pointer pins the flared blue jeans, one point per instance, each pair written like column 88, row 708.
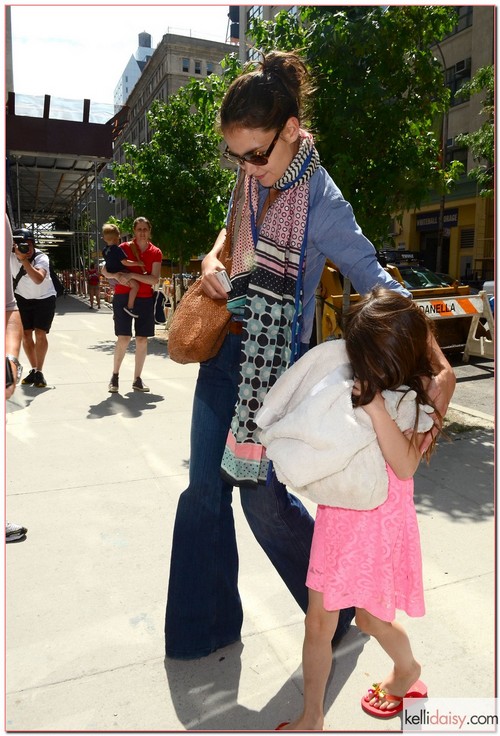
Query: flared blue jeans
column 204, row 611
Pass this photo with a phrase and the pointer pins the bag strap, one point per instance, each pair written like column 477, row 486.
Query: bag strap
column 238, row 192
column 17, row 278
column 234, row 221
column 133, row 248
column 22, row 271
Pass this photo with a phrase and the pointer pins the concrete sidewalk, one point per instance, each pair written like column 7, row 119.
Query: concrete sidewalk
column 95, row 477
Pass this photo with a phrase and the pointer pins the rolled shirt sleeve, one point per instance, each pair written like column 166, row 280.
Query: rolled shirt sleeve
column 333, row 233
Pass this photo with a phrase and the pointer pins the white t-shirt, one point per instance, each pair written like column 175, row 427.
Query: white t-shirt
column 26, row 287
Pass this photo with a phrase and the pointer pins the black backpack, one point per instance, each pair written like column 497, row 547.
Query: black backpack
column 58, row 285
column 160, row 300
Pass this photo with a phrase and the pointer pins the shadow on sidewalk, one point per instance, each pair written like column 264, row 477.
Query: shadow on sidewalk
column 482, row 365
column 204, row 691
column 70, row 304
column 108, row 346
column 132, row 404
column 24, row 396
column 459, row 481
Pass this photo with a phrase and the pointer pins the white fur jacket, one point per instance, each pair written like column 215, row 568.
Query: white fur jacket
column 321, row 446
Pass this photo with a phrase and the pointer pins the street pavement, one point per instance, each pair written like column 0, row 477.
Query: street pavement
column 95, row 477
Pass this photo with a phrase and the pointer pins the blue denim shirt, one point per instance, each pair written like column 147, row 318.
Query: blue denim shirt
column 334, row 233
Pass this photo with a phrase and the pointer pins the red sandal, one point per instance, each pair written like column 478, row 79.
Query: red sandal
column 417, row 690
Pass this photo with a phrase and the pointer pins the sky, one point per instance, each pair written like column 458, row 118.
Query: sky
column 79, row 51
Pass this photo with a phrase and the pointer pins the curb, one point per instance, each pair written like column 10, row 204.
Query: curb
column 472, row 412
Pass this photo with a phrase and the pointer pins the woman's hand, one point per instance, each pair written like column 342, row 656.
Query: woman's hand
column 440, row 389
column 209, row 283
column 123, row 278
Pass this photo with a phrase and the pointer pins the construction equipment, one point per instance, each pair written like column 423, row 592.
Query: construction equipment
column 464, row 321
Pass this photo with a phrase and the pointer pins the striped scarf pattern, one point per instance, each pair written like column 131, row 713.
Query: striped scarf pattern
column 266, row 278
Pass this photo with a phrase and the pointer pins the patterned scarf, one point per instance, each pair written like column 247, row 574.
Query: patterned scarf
column 267, row 275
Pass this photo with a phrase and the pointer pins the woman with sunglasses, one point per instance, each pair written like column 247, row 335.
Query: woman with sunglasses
column 290, row 217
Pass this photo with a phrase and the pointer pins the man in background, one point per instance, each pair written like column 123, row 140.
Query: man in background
column 36, row 298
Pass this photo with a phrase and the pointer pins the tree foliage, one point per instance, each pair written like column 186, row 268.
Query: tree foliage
column 175, row 179
column 482, row 142
column 376, row 111
column 380, row 94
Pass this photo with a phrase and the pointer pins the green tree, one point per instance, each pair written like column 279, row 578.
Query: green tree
column 379, row 95
column 175, row 180
column 481, row 142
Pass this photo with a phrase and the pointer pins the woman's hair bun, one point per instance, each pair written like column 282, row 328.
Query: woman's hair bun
column 267, row 92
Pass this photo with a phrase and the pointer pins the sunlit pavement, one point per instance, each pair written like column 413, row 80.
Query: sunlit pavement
column 95, row 477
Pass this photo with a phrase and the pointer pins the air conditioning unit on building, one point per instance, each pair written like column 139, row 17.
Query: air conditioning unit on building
column 462, row 67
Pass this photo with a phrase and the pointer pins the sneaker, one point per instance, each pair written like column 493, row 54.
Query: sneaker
column 129, row 311
column 13, row 532
column 39, row 381
column 30, row 378
column 113, row 384
column 138, row 385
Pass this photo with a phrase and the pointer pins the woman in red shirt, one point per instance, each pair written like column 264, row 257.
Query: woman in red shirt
column 93, row 286
column 138, row 249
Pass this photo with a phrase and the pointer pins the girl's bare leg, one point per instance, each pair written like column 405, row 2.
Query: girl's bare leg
column 394, row 640
column 320, row 627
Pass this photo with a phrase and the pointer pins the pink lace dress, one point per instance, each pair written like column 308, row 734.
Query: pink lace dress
column 370, row 559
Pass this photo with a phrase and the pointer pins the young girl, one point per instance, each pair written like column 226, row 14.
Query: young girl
column 371, row 559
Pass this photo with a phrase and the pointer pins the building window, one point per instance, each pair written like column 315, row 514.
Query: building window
column 255, row 11
column 464, row 18
column 456, row 153
column 456, row 76
column 460, row 154
column 210, row 68
column 467, row 237
column 185, row 64
column 197, row 67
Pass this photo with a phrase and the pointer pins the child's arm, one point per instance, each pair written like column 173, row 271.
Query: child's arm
column 128, row 263
column 398, row 451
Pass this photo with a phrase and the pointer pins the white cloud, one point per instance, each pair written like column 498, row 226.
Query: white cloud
column 80, row 51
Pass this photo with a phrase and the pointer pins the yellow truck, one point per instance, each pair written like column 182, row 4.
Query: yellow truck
column 464, row 322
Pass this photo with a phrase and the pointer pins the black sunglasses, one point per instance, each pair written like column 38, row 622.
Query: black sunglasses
column 255, row 158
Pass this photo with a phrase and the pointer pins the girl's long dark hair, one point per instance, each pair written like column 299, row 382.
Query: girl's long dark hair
column 388, row 343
